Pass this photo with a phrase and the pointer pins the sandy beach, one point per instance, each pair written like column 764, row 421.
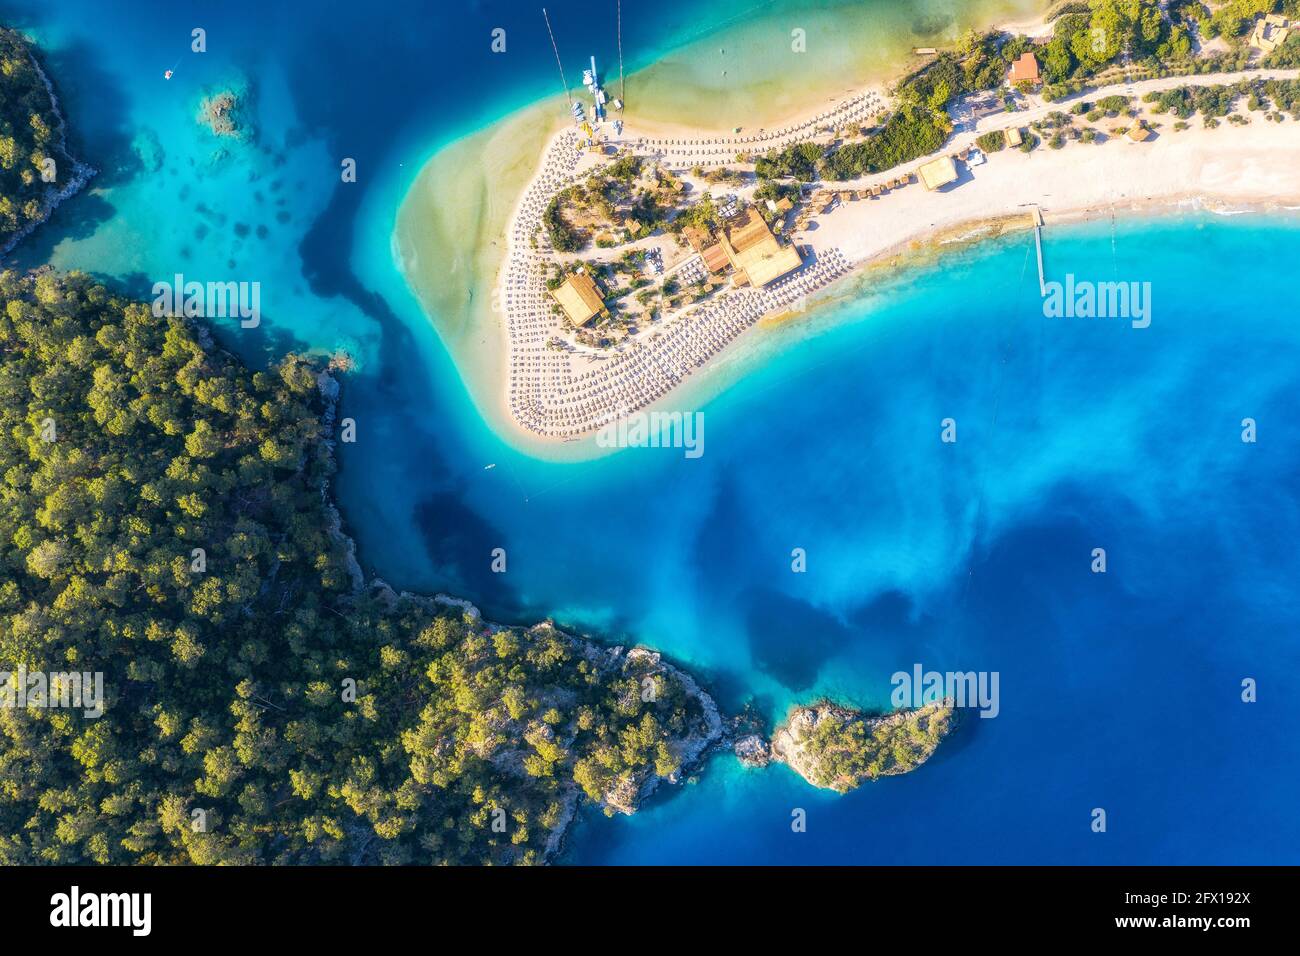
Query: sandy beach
column 548, row 398
column 449, row 235
column 564, row 395
column 749, row 72
column 1232, row 166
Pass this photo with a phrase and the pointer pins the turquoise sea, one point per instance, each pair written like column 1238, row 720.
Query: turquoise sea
column 1119, row 690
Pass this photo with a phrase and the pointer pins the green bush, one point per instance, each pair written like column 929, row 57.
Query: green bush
column 908, row 134
column 564, row 238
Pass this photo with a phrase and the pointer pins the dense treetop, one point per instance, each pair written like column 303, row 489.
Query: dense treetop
column 29, row 132
column 127, row 444
column 840, row 747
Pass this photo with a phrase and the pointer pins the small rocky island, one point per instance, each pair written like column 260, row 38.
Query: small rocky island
column 837, row 747
column 223, row 114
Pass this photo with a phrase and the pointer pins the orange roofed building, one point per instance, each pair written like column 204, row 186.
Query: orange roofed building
column 715, row 258
column 1024, row 70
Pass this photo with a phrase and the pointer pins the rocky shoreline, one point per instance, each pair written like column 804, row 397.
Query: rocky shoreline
column 708, row 730
column 706, row 733
column 81, row 172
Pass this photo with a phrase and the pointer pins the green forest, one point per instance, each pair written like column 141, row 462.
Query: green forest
column 27, row 138
column 164, row 519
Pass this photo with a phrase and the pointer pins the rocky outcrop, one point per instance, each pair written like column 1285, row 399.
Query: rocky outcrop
column 470, row 611
column 837, row 747
column 705, row 731
column 629, row 790
column 222, row 113
column 752, row 751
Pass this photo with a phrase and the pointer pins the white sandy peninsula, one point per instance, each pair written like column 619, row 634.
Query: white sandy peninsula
column 554, row 254
column 558, row 388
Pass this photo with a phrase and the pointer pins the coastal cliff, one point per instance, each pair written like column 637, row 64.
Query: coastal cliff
column 837, row 747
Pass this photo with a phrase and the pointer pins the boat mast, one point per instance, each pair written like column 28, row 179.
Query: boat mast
column 622, row 90
column 563, row 81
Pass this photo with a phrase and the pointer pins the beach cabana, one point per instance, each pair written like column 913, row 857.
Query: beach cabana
column 1270, row 33
column 580, row 299
column 938, row 172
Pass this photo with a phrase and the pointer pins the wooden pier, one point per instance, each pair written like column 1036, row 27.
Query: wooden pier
column 1037, row 218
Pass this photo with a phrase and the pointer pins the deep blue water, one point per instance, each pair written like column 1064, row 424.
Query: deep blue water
column 1118, row 691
